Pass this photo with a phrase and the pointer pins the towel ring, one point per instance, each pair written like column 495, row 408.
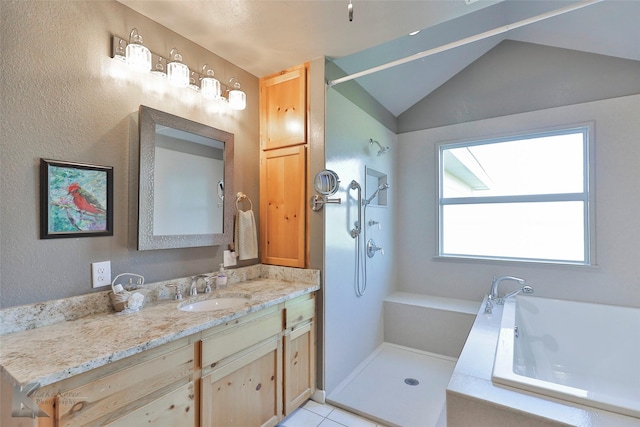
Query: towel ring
column 220, row 189
column 240, row 197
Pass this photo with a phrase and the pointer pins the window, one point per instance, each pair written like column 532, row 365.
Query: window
column 519, row 198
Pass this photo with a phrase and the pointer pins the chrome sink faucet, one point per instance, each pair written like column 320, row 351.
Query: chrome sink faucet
column 193, row 290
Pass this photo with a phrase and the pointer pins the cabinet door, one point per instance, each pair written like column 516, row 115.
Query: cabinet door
column 283, row 106
column 299, row 366
column 282, row 206
column 246, row 392
column 176, row 408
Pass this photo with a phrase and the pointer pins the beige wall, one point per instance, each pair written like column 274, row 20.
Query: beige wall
column 64, row 98
column 615, row 277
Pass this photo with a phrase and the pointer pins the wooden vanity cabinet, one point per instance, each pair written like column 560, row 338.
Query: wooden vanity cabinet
column 155, row 387
column 242, row 372
column 299, row 352
column 249, row 372
column 258, row 369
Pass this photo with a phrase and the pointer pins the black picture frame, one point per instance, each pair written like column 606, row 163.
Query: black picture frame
column 76, row 199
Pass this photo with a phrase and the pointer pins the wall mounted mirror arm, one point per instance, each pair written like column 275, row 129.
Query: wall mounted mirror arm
column 327, row 184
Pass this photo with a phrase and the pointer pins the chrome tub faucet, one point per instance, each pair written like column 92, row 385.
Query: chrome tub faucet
column 494, row 296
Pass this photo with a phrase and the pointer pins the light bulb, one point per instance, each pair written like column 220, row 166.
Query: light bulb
column 210, row 87
column 137, row 56
column 177, row 72
column 237, row 98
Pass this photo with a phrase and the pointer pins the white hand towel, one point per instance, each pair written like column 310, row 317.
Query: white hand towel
column 245, row 235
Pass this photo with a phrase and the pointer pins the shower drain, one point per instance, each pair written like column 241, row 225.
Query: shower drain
column 411, row 381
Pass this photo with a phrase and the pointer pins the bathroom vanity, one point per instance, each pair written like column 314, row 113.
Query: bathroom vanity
column 245, row 365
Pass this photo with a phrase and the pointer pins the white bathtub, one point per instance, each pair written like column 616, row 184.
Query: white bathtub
column 581, row 352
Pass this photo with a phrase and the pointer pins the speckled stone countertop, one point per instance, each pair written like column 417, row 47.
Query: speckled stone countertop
column 51, row 353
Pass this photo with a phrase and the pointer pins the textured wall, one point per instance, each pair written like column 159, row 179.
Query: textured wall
column 616, row 277
column 64, row 98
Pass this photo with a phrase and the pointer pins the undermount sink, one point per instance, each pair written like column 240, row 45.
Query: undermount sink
column 213, row 304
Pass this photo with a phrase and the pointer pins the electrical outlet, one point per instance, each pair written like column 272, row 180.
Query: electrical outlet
column 100, row 274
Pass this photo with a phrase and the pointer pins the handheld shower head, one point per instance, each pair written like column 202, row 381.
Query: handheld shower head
column 380, row 188
column 382, row 149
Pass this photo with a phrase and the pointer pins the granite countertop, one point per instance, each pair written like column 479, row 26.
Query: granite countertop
column 48, row 354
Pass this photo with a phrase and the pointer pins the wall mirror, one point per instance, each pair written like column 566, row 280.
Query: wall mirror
column 186, row 183
column 327, row 182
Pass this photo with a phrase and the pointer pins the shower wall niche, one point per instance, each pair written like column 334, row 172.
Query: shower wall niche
column 373, row 180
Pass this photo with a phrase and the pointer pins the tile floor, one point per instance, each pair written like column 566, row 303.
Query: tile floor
column 313, row 414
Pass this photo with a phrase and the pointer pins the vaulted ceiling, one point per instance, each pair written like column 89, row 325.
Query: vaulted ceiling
column 264, row 37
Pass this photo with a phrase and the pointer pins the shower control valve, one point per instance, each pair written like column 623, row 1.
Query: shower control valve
column 372, row 248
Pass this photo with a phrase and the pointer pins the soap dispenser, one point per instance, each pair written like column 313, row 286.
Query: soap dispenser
column 221, row 280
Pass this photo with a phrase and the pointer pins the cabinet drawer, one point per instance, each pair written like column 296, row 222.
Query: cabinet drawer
column 299, row 310
column 114, row 392
column 173, row 409
column 229, row 341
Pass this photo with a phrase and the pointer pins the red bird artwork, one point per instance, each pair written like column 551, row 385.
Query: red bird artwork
column 85, row 201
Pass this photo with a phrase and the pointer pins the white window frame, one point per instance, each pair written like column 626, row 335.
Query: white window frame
column 587, row 196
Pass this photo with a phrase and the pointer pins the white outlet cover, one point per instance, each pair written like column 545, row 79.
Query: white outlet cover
column 100, row 274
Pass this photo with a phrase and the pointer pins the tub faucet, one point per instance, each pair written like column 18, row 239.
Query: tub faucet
column 493, row 294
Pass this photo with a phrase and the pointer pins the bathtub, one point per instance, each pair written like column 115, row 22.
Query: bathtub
column 580, row 352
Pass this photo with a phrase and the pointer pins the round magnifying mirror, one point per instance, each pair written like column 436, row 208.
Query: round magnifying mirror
column 327, row 182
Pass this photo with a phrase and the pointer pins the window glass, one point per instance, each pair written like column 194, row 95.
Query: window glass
column 520, row 198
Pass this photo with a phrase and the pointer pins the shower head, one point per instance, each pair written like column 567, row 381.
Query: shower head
column 382, row 149
column 380, row 188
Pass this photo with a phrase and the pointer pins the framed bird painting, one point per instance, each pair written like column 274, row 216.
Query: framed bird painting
column 76, row 199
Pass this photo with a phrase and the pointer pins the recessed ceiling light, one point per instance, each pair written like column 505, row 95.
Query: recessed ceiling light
column 414, row 33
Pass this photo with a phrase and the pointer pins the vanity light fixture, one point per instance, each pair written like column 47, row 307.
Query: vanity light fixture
column 209, row 86
column 237, row 98
column 159, row 68
column 193, row 79
column 119, row 52
column 137, row 55
column 177, row 72
column 141, row 59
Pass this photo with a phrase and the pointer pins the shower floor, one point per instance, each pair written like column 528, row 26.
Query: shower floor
column 377, row 388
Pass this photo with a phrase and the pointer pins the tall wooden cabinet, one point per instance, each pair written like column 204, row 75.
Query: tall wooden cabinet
column 283, row 168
